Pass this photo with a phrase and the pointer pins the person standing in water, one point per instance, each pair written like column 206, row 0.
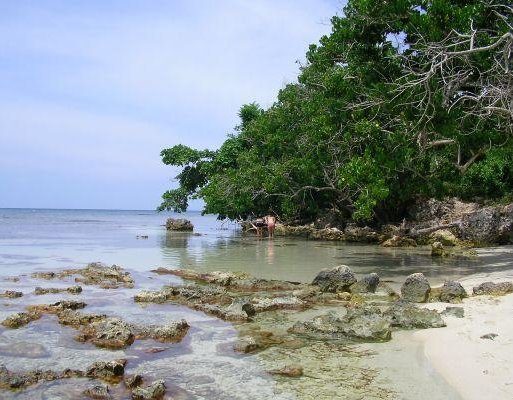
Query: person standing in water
column 270, row 220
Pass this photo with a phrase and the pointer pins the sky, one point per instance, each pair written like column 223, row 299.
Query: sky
column 92, row 91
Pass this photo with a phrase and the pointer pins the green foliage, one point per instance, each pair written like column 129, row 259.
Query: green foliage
column 343, row 138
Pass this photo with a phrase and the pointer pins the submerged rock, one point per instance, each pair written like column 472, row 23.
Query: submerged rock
column 234, row 281
column 179, row 224
column 416, row 288
column 493, row 289
column 292, row 371
column 133, row 381
column 11, row 294
column 262, row 304
column 337, row 279
column 245, row 345
column 153, row 392
column 452, row 292
column 72, row 290
column 407, row 316
column 368, row 284
column 98, row 392
column 44, row 275
column 438, row 250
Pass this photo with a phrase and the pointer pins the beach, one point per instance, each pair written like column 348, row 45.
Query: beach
column 477, row 367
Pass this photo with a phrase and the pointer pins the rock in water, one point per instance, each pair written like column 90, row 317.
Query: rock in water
column 111, row 371
column 445, row 237
column 112, row 333
column 155, row 391
column 367, row 284
column 493, row 289
column 416, row 288
column 337, row 279
column 179, row 224
column 98, row 392
column 452, row 292
column 438, row 250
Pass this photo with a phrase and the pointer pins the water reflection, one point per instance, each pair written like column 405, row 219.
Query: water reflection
column 300, row 260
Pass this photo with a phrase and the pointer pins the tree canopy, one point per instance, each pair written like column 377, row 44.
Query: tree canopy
column 402, row 99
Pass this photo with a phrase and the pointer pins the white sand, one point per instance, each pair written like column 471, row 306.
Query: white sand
column 477, row 368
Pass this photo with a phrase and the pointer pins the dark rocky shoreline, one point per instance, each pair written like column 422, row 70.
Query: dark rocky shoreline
column 450, row 222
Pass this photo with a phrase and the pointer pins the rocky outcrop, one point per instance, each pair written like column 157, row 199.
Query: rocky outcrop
column 20, row 319
column 457, row 312
column 292, row 371
column 147, row 296
column 445, row 237
column 155, row 391
column 110, row 371
column 416, row 288
column 488, row 225
column 179, row 224
column 97, row 274
column 246, row 345
column 399, row 241
column 171, row 332
column 407, row 316
column 452, row 292
column 438, row 250
column 98, row 392
column 234, row 281
column 473, row 223
column 133, row 381
column 72, row 290
column 362, row 323
column 11, row 294
column 103, row 276
column 337, row 279
column 493, row 289
column 368, row 284
column 111, row 333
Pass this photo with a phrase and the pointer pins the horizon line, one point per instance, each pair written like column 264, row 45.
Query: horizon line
column 93, row 209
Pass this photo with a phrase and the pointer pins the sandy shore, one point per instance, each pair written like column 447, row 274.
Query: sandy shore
column 477, row 368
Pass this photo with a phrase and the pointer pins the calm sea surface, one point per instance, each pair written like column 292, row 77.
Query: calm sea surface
column 45, row 239
column 204, row 365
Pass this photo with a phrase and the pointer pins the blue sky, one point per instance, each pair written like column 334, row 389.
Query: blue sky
column 91, row 91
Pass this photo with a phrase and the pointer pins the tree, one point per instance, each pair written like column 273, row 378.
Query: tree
column 367, row 127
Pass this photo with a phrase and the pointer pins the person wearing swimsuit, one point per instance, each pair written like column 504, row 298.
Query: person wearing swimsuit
column 271, row 224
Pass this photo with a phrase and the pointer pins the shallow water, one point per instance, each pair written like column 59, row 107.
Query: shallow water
column 203, row 366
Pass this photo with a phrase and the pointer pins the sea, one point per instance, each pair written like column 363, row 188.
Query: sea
column 204, row 365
